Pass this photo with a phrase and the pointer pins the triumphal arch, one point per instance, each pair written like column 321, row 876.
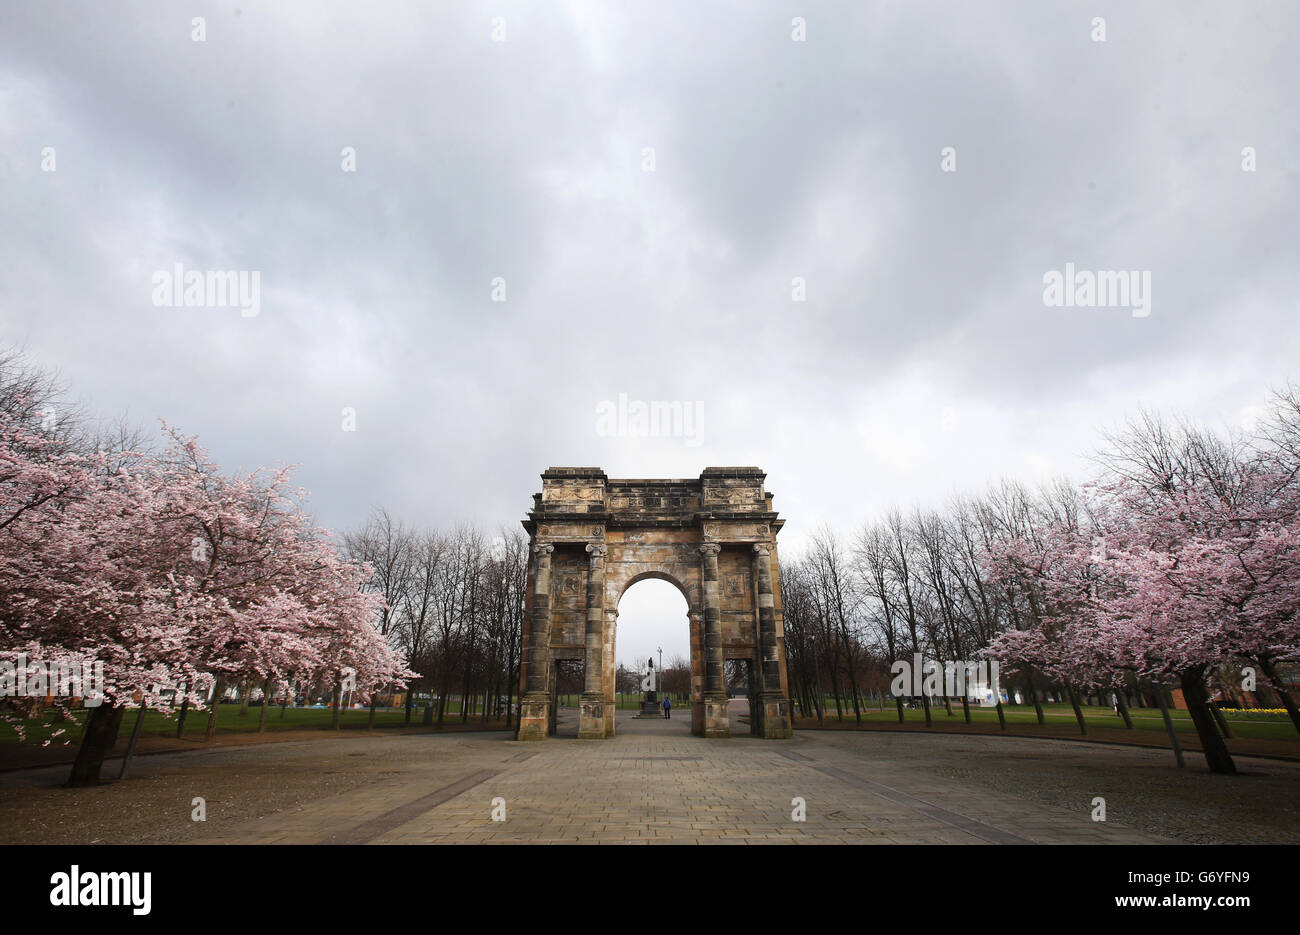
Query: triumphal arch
column 714, row 537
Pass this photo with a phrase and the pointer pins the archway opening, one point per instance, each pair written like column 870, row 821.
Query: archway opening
column 653, row 627
column 567, row 679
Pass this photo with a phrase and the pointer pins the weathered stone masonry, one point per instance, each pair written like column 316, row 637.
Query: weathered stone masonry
column 714, row 537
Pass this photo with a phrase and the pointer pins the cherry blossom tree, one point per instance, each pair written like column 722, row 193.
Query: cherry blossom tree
column 1191, row 557
column 170, row 573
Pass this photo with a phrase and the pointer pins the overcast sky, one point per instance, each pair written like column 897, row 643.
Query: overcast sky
column 648, row 180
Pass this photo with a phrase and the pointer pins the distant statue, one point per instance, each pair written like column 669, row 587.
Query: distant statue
column 650, row 701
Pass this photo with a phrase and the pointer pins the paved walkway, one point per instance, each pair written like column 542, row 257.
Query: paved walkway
column 655, row 783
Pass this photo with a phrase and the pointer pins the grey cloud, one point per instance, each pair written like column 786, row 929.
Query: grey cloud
column 774, row 160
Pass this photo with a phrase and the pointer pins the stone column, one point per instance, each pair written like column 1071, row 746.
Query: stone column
column 717, row 722
column 697, row 672
column 591, row 719
column 611, row 690
column 775, row 716
column 771, row 667
column 534, row 707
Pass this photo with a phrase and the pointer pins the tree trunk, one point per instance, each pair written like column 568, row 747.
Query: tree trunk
column 1078, row 712
column 336, row 701
column 1287, row 701
column 245, row 695
column 442, row 698
column 218, row 690
column 1169, row 726
column 180, row 719
column 1033, row 697
column 96, row 740
column 1002, row 718
column 374, row 701
column 135, row 736
column 853, row 687
column 1217, row 756
column 266, row 704
column 1265, row 693
column 1220, row 720
column 1123, row 709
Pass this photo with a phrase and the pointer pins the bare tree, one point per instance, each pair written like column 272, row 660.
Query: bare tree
column 839, row 597
column 874, row 570
column 386, row 546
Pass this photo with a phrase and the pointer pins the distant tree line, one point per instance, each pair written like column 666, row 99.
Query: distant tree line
column 453, row 608
column 1177, row 565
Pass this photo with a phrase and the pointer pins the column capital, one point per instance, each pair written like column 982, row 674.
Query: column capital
column 762, row 548
column 710, row 548
column 597, row 550
column 543, row 548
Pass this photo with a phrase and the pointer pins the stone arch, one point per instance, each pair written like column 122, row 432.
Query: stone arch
column 593, row 537
column 672, row 574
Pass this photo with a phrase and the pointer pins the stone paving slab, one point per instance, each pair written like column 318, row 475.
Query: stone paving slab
column 655, row 784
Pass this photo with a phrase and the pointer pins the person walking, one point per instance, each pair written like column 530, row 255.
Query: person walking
column 668, row 708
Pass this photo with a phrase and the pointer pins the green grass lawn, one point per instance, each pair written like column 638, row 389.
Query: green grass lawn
column 624, row 701
column 1275, row 727
column 229, row 720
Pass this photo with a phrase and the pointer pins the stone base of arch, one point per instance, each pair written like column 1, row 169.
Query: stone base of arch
column 534, row 716
column 776, row 716
column 716, row 715
column 591, row 718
